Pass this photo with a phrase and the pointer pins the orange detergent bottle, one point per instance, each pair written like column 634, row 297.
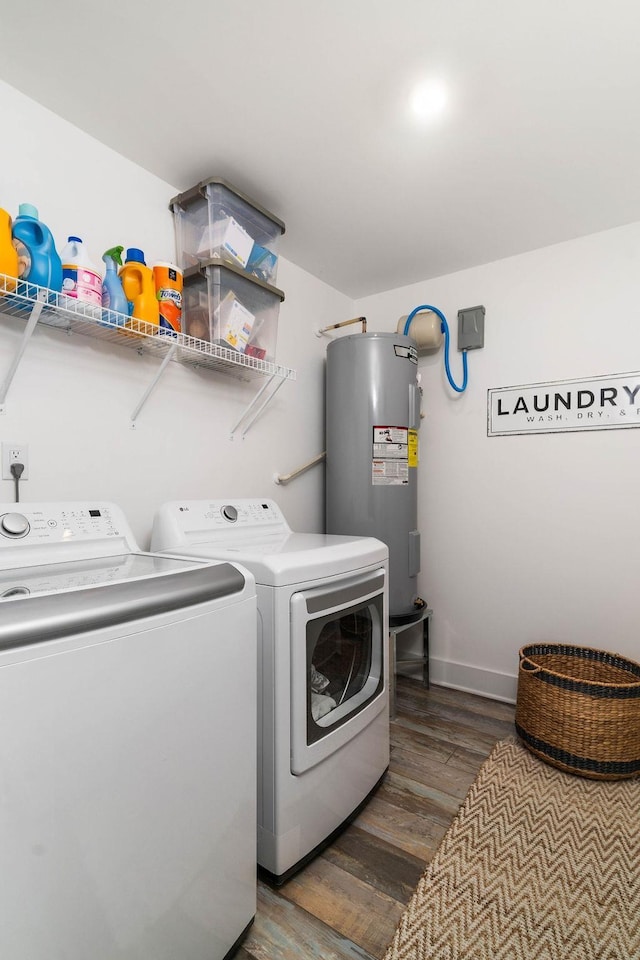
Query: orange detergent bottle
column 168, row 283
column 139, row 289
column 8, row 255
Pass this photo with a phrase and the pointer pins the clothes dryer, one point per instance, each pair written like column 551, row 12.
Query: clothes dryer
column 323, row 716
column 127, row 755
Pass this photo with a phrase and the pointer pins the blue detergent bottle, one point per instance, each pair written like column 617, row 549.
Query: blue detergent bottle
column 115, row 306
column 38, row 259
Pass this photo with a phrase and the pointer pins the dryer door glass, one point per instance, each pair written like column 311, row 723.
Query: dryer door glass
column 344, row 656
column 339, row 660
column 339, row 630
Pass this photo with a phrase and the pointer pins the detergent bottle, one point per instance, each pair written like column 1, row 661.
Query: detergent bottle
column 115, row 307
column 81, row 280
column 8, row 255
column 38, row 259
column 139, row 289
column 168, row 281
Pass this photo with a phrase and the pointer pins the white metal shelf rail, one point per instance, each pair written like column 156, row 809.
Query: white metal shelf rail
column 34, row 304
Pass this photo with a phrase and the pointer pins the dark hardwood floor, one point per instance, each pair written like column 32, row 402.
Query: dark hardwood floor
column 346, row 903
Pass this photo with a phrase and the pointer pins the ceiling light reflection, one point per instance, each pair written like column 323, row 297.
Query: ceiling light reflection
column 428, row 100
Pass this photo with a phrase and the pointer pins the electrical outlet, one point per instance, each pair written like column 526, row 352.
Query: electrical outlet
column 14, row 453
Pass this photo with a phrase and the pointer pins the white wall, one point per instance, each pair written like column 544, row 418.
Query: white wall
column 72, row 397
column 523, row 538
column 528, row 538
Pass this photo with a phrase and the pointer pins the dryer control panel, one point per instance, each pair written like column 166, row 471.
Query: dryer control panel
column 220, row 513
column 195, row 521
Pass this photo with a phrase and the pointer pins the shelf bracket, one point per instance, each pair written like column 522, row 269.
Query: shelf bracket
column 152, row 385
column 253, row 410
column 36, row 310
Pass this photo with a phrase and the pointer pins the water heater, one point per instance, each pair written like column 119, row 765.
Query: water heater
column 372, row 421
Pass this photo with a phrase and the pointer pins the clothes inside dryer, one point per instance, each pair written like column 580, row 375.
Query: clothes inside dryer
column 340, row 664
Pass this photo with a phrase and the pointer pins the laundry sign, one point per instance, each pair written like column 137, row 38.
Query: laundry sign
column 601, row 403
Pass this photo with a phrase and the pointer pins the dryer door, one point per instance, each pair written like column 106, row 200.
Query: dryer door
column 338, row 665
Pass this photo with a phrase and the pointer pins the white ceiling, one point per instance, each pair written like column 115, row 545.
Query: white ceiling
column 301, row 104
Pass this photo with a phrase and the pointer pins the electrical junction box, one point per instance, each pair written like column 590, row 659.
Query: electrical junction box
column 471, row 328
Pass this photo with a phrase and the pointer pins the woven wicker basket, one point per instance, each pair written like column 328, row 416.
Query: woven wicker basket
column 579, row 709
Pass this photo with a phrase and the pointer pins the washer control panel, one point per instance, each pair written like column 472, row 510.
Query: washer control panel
column 57, row 523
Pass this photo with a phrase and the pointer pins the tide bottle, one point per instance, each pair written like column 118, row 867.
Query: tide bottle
column 8, row 255
column 81, row 280
column 140, row 291
column 38, row 260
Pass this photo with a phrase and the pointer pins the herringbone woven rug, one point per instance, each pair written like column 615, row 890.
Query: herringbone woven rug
column 538, row 865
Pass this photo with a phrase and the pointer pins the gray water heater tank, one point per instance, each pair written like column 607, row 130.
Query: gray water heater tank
column 372, row 421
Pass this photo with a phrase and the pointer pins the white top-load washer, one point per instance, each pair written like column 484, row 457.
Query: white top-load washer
column 127, row 754
column 323, row 731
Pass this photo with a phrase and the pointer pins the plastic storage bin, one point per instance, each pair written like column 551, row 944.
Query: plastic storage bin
column 214, row 221
column 223, row 305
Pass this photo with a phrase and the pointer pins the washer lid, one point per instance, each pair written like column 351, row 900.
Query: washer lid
column 57, row 600
column 295, row 557
column 50, row 578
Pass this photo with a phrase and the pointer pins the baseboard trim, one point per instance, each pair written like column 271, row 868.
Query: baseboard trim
column 485, row 683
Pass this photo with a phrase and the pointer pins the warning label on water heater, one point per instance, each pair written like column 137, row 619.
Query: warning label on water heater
column 390, row 435
column 385, row 473
column 390, row 456
column 413, row 448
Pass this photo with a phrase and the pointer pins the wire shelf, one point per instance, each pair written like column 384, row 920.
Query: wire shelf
column 18, row 298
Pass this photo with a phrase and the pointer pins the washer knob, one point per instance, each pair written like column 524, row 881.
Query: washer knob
column 230, row 513
column 14, row 525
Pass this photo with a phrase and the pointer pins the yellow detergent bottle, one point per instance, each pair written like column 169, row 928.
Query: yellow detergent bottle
column 8, row 255
column 140, row 290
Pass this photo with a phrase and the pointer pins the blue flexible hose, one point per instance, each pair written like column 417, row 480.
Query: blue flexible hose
column 444, row 326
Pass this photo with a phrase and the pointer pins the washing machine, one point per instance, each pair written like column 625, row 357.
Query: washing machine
column 323, row 705
column 127, row 754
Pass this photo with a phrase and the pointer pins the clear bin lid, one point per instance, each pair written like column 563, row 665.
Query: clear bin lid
column 200, row 270
column 195, row 194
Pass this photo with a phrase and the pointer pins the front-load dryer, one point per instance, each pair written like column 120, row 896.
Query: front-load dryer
column 323, row 716
column 127, row 755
